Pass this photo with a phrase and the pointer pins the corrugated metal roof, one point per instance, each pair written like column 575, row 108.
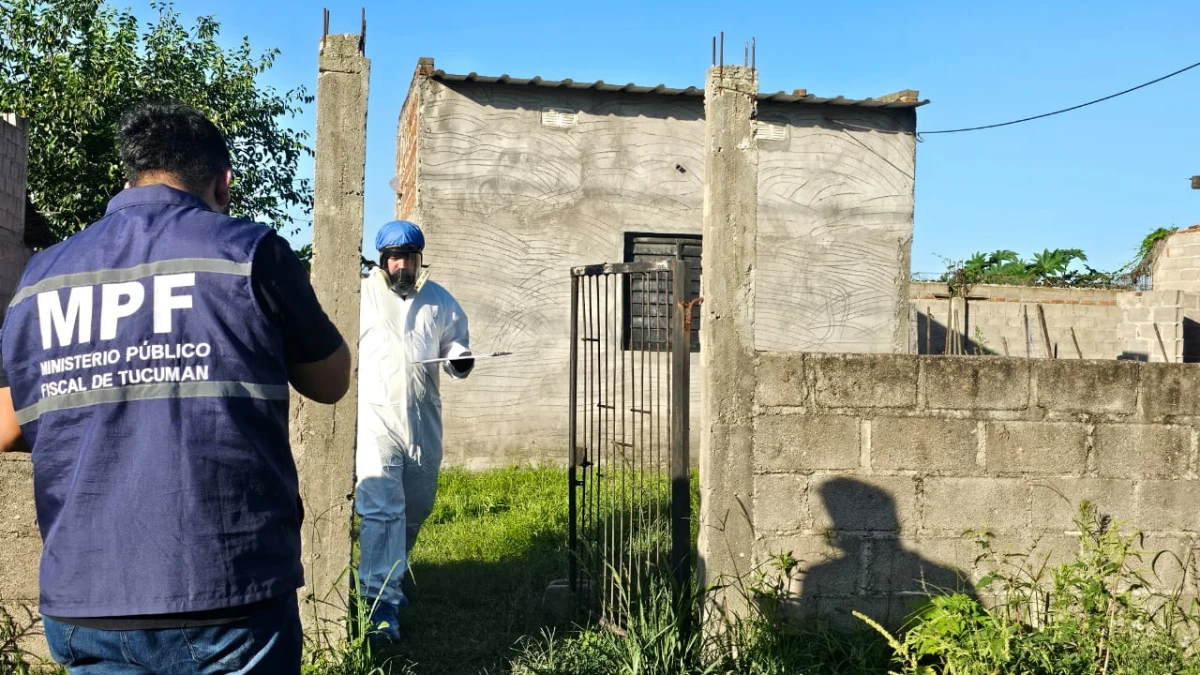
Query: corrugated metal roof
column 904, row 99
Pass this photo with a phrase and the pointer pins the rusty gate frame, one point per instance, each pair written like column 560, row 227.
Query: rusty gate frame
column 590, row 465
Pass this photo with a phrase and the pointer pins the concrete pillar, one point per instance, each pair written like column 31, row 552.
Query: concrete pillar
column 727, row 377
column 323, row 436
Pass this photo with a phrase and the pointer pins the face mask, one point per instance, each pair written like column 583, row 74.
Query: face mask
column 404, row 281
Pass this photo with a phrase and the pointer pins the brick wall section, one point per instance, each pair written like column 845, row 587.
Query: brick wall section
column 870, row 468
column 406, row 159
column 1152, row 326
column 997, row 323
column 1177, row 267
column 1107, row 323
column 14, row 149
column 407, row 141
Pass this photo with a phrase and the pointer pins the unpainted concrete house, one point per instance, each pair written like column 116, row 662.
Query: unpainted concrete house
column 517, row 180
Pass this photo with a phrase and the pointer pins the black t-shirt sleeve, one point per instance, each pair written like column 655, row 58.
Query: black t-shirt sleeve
column 283, row 291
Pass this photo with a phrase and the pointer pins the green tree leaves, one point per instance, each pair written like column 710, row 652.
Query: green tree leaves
column 72, row 66
column 1048, row 268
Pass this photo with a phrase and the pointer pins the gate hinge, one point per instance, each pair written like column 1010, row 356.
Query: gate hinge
column 686, row 308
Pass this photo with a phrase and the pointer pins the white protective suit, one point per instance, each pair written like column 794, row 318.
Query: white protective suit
column 400, row 422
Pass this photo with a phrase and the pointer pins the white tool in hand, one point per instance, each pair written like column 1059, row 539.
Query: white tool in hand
column 465, row 356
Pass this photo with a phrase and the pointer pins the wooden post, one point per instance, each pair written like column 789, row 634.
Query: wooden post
column 1045, row 333
column 1028, row 335
column 1162, row 347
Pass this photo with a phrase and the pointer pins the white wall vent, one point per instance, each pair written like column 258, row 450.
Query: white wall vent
column 768, row 131
column 558, row 117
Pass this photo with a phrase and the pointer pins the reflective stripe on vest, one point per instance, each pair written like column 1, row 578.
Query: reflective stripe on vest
column 158, row 390
column 179, row 266
column 174, row 387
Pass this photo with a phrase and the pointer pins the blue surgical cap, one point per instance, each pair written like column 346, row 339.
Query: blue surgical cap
column 399, row 233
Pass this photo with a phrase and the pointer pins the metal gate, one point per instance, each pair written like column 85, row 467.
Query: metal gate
column 630, row 506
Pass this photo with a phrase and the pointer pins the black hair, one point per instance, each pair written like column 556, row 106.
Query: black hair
column 172, row 139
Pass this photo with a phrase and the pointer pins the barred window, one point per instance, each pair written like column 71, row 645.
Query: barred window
column 646, row 314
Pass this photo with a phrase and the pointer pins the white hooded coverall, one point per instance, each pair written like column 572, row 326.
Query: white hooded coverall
column 400, row 422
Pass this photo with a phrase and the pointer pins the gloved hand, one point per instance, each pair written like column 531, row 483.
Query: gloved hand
column 463, row 365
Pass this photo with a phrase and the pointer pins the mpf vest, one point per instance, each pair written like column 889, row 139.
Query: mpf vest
column 153, row 391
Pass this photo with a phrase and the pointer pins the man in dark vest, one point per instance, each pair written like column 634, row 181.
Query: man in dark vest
column 146, row 363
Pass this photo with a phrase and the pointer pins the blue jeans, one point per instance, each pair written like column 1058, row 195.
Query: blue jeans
column 266, row 643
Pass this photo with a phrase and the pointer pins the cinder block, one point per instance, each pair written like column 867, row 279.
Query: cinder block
column 1168, row 505
column 864, row 380
column 955, row 552
column 895, row 566
column 809, row 549
column 839, row 612
column 976, row 384
column 1163, row 558
column 1086, row 386
column 830, row 564
column 960, row 504
column 1165, row 315
column 781, row 380
column 1044, row 448
column 1142, row 450
column 780, row 503
column 923, row 444
column 806, row 442
column 863, row 504
column 1056, row 501
column 1050, row 549
column 1137, row 314
column 1170, row 389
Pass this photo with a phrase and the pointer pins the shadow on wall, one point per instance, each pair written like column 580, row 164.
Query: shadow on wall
column 932, row 336
column 1142, row 357
column 872, row 571
column 1191, row 341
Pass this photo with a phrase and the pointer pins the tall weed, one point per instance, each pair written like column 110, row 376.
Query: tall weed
column 16, row 627
column 1099, row 613
column 328, row 653
column 661, row 635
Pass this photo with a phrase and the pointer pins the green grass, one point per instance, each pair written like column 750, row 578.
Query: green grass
column 495, row 540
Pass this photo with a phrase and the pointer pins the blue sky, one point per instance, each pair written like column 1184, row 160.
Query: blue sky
column 1097, row 179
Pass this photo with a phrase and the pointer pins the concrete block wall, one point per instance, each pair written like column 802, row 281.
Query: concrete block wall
column 14, row 153
column 996, row 322
column 870, row 468
column 1152, row 326
column 1177, row 266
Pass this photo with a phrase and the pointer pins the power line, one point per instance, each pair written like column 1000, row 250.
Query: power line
column 1064, row 110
